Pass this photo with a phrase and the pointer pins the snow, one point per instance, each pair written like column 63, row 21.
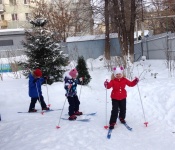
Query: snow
column 35, row 131
column 99, row 37
column 90, row 37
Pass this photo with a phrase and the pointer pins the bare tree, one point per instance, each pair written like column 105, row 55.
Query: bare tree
column 58, row 17
column 125, row 16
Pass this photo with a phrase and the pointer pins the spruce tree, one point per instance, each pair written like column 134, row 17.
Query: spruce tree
column 45, row 53
column 83, row 70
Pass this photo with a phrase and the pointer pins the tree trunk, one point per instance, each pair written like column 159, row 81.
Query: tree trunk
column 107, row 39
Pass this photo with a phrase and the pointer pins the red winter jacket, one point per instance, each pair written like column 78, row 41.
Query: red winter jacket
column 118, row 85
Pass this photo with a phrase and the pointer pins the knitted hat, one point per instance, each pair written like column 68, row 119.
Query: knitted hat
column 73, row 73
column 37, row 72
column 118, row 70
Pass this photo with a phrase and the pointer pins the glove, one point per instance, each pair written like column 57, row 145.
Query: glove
column 46, row 78
column 106, row 83
column 81, row 79
column 136, row 80
column 35, row 80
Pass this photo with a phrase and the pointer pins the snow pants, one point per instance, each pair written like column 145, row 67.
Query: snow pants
column 73, row 104
column 118, row 107
column 34, row 100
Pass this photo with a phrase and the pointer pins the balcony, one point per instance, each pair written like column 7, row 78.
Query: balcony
column 1, row 8
column 3, row 24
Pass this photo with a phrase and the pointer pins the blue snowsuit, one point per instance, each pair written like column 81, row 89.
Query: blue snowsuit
column 35, row 91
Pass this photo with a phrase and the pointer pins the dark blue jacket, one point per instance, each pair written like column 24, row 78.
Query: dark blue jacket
column 73, row 90
column 35, row 87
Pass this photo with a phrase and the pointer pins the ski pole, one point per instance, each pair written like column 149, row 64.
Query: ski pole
column 63, row 109
column 47, row 94
column 61, row 114
column 80, row 91
column 106, row 126
column 146, row 123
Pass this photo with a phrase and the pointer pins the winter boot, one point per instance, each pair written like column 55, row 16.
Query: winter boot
column 32, row 111
column 111, row 126
column 73, row 117
column 46, row 108
column 122, row 120
column 78, row 113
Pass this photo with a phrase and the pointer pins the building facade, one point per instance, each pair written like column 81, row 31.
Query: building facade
column 16, row 13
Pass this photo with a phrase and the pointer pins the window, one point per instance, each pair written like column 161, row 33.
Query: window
column 12, row 2
column 75, row 1
column 14, row 17
column 6, row 42
column 2, row 17
column 27, row 16
column 26, row 1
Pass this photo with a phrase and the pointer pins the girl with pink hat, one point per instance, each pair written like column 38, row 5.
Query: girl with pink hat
column 70, row 86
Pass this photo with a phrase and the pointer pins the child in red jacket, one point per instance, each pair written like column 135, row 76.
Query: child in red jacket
column 118, row 95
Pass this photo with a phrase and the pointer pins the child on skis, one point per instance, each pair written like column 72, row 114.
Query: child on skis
column 71, row 81
column 35, row 81
column 118, row 95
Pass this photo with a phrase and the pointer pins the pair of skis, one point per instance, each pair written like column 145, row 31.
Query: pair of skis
column 110, row 130
column 83, row 120
column 38, row 111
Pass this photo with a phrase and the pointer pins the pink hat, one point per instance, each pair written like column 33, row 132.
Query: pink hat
column 73, row 73
column 38, row 73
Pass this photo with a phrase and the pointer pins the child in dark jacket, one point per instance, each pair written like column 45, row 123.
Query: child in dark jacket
column 35, row 92
column 118, row 95
column 70, row 86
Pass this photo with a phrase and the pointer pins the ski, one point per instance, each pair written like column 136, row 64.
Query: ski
column 38, row 111
column 109, row 133
column 88, row 114
column 128, row 127
column 83, row 120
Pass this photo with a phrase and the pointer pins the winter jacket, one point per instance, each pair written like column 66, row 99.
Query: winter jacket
column 118, row 85
column 35, row 87
column 68, row 80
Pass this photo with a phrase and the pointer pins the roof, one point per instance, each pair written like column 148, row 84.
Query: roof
column 12, row 31
column 90, row 37
column 98, row 37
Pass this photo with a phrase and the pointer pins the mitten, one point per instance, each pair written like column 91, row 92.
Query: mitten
column 106, row 83
column 81, row 79
column 69, row 86
column 45, row 78
column 136, row 80
column 35, row 80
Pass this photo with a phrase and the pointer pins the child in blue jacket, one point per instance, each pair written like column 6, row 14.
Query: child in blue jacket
column 70, row 86
column 35, row 92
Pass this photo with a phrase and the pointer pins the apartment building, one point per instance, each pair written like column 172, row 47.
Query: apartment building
column 15, row 13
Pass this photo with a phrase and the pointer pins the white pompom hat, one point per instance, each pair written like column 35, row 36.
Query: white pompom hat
column 118, row 70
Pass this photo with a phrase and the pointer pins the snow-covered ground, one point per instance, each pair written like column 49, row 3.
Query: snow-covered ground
column 38, row 132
